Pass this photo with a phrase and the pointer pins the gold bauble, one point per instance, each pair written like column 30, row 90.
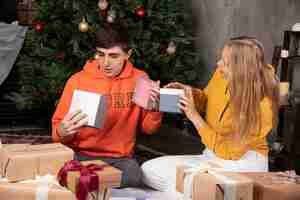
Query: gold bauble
column 83, row 26
column 102, row 4
column 171, row 48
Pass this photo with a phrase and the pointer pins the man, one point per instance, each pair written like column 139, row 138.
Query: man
column 111, row 74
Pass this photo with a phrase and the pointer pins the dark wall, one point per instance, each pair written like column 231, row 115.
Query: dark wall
column 7, row 11
column 218, row 20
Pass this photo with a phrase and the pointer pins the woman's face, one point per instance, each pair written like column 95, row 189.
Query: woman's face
column 224, row 65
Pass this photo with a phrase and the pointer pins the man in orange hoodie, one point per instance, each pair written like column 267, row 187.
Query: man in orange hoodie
column 111, row 74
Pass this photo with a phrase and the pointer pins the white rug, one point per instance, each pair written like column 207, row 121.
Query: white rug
column 143, row 194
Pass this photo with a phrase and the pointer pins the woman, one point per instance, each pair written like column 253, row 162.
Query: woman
column 241, row 104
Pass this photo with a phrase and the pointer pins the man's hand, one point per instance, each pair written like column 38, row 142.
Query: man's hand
column 154, row 97
column 71, row 123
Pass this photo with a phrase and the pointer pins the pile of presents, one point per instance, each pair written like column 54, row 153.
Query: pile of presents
column 47, row 172
column 210, row 182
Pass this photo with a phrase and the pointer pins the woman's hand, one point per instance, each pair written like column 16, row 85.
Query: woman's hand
column 187, row 105
column 71, row 123
column 176, row 85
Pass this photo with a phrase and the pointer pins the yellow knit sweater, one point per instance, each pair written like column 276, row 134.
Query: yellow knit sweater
column 217, row 133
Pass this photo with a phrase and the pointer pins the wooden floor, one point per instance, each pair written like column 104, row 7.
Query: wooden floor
column 168, row 141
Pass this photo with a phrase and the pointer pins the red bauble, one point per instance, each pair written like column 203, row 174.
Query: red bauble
column 39, row 26
column 140, row 11
column 60, row 56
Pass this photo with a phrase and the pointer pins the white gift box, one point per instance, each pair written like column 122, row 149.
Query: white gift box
column 169, row 100
column 92, row 104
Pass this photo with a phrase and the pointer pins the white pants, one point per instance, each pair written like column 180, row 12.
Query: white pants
column 160, row 173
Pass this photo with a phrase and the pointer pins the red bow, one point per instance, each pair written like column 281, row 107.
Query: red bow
column 88, row 180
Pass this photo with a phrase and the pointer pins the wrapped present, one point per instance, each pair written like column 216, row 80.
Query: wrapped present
column 274, row 185
column 24, row 161
column 86, row 177
column 284, row 93
column 142, row 90
column 211, row 183
column 92, row 104
column 169, row 100
column 183, row 170
column 45, row 188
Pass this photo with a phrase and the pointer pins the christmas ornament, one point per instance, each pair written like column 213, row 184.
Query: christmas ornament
column 60, row 56
column 171, row 48
column 140, row 11
column 111, row 16
column 102, row 4
column 39, row 26
column 83, row 26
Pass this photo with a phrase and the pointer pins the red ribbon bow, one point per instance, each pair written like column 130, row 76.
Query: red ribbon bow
column 88, row 180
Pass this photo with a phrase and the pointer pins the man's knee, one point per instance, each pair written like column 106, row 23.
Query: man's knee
column 131, row 173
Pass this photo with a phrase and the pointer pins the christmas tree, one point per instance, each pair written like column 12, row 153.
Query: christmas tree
column 62, row 39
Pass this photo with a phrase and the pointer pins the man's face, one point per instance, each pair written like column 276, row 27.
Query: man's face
column 111, row 61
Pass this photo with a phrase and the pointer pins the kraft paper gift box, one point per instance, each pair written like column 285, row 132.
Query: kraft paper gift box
column 108, row 177
column 274, row 186
column 21, row 162
column 35, row 190
column 169, row 100
column 142, row 90
column 183, row 170
column 92, row 104
column 284, row 93
column 212, row 184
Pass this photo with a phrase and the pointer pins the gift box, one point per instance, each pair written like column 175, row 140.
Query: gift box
column 169, row 100
column 275, row 186
column 142, row 90
column 284, row 93
column 213, row 184
column 24, row 161
column 92, row 104
column 85, row 177
column 35, row 190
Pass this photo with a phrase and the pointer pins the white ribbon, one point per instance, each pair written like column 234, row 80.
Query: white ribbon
column 228, row 183
column 42, row 190
column 189, row 178
column 43, row 185
column 228, row 186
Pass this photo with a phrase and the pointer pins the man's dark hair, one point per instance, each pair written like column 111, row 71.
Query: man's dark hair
column 111, row 35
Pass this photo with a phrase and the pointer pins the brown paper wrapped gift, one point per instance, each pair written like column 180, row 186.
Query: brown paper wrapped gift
column 274, row 186
column 182, row 171
column 21, row 162
column 216, row 185
column 29, row 191
column 109, row 177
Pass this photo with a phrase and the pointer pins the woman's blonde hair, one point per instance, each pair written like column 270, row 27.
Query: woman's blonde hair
column 251, row 81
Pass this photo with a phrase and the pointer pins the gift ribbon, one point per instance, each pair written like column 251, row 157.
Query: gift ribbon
column 42, row 190
column 88, row 180
column 204, row 167
column 228, row 186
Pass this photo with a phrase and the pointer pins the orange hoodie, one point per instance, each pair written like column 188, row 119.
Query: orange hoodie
column 117, row 137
